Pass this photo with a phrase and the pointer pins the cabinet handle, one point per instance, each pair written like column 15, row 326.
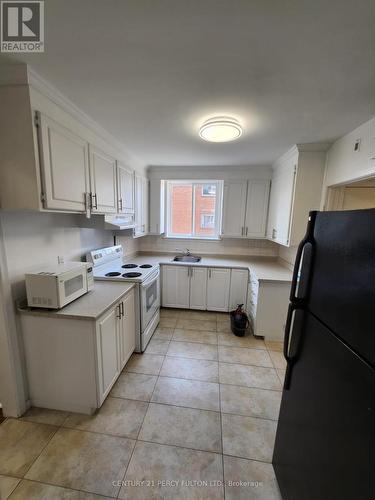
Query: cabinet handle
column 120, row 202
column 209, row 273
column 119, row 311
column 241, row 231
column 94, row 195
column 122, row 309
column 246, row 230
column 188, row 271
column 273, row 233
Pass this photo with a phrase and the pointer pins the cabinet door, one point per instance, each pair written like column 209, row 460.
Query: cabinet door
column 108, row 350
column 218, row 284
column 145, row 202
column 125, row 189
column 238, row 287
column 127, row 328
column 64, row 166
column 176, row 286
column 156, row 208
column 198, row 288
column 257, row 208
column 282, row 192
column 103, row 182
column 234, row 208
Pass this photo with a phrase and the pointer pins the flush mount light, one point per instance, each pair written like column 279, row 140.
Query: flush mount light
column 220, row 129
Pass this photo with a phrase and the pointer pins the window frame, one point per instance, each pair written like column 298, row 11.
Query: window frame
column 202, row 223
column 217, row 213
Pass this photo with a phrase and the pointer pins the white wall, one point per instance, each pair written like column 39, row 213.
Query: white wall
column 225, row 246
column 344, row 164
column 228, row 246
column 31, row 239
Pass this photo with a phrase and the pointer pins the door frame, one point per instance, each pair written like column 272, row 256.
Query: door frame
column 12, row 377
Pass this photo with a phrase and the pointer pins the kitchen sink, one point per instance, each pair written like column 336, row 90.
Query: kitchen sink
column 187, row 258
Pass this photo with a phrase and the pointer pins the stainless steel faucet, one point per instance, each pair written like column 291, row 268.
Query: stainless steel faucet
column 184, row 252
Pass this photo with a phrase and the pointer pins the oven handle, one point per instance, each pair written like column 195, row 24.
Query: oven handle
column 150, row 281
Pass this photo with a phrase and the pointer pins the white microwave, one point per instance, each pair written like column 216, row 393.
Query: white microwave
column 54, row 287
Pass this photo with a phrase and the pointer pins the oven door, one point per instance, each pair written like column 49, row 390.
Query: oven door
column 150, row 298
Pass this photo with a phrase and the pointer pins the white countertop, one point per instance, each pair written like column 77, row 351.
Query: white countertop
column 89, row 306
column 266, row 269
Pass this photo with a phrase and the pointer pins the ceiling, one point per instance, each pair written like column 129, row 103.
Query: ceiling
column 151, row 71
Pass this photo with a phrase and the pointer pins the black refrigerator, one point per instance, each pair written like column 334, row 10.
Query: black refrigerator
column 325, row 440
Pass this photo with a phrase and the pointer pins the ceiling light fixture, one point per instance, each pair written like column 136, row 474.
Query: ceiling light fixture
column 220, row 129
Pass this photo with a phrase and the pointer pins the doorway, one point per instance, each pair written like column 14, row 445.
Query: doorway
column 352, row 196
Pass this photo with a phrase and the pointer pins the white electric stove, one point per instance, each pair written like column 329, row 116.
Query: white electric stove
column 109, row 264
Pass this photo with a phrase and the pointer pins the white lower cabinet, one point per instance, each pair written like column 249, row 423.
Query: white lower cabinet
column 238, row 288
column 204, row 288
column 72, row 363
column 107, row 348
column 198, row 288
column 176, row 286
column 127, row 328
column 267, row 307
column 218, row 284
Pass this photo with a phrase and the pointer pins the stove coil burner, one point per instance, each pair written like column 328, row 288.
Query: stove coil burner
column 129, row 266
column 113, row 273
column 132, row 275
column 145, row 266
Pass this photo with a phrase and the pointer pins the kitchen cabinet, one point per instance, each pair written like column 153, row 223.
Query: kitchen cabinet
column 234, row 208
column 238, row 288
column 102, row 182
column 203, row 288
column 63, row 157
column 218, row 289
column 263, row 297
column 157, row 206
column 245, row 208
column 127, row 328
column 295, row 190
column 72, row 362
column 107, row 344
column 64, row 166
column 176, row 286
column 125, row 189
column 198, row 288
column 141, row 206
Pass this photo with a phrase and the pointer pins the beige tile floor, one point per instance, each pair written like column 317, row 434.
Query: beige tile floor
column 193, row 417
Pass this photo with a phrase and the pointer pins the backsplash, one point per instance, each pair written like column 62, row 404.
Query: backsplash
column 222, row 247
column 129, row 244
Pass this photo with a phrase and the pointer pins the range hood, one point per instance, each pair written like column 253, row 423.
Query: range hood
column 118, row 222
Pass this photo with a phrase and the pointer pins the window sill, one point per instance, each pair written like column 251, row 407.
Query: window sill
column 216, row 238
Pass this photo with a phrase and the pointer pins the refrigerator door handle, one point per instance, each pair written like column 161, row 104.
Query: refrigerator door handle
column 291, row 341
column 308, row 238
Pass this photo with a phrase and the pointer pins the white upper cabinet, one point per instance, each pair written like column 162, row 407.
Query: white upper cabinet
column 257, row 208
column 295, row 190
column 125, row 189
column 141, row 206
column 157, row 206
column 103, row 182
column 198, row 288
column 245, row 208
column 218, row 289
column 234, row 208
column 64, row 166
column 176, row 286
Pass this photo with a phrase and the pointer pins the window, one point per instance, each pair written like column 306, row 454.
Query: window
column 207, row 221
column 194, row 209
column 209, row 190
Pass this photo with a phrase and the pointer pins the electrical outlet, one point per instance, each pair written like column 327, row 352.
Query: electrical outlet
column 60, row 259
